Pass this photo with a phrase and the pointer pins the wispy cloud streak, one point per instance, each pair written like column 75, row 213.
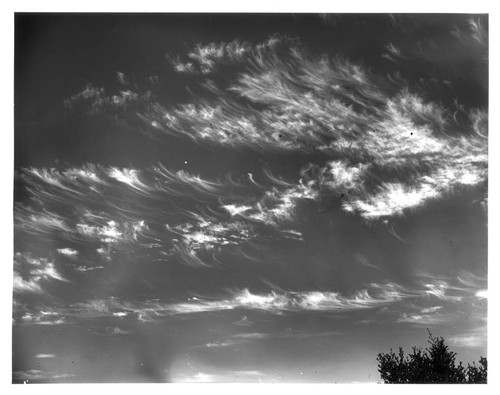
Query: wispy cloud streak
column 275, row 303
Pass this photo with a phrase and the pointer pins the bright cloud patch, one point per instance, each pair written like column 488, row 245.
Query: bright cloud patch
column 69, row 252
column 112, row 232
column 45, row 355
column 207, row 235
column 31, row 273
column 468, row 340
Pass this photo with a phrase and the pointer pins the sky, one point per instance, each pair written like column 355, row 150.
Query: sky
column 247, row 198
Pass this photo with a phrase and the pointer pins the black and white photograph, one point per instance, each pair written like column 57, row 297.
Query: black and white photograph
column 250, row 198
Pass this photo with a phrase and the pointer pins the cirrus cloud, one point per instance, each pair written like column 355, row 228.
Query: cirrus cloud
column 394, row 149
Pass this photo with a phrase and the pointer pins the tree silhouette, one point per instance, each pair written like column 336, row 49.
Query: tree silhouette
column 435, row 364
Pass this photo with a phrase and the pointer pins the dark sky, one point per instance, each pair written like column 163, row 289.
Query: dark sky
column 272, row 198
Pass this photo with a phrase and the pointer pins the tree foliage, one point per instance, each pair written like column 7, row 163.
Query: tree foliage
column 435, row 364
